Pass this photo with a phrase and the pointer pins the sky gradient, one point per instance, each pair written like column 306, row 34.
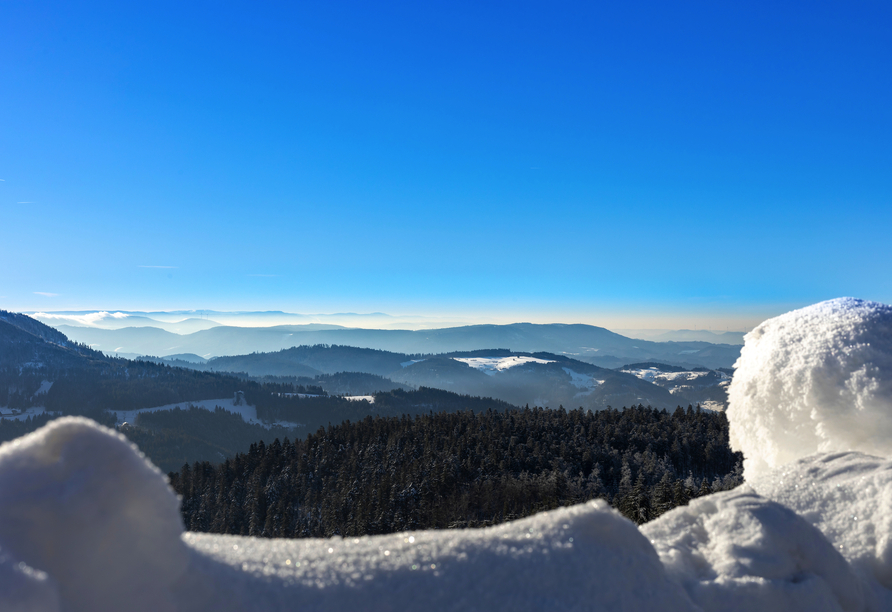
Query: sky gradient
column 642, row 165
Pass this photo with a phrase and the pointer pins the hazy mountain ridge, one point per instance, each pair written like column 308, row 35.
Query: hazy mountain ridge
column 584, row 342
column 540, row 379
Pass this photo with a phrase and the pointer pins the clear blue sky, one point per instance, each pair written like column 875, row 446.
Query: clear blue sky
column 650, row 164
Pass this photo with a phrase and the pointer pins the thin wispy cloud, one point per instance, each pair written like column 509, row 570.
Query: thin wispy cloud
column 161, row 267
column 26, row 202
column 46, row 294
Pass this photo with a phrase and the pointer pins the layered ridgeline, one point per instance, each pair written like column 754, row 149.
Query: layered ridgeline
column 536, row 379
column 178, row 415
column 587, row 343
column 87, row 524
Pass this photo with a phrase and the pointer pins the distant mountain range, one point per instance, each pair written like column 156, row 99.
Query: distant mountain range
column 187, row 321
column 540, row 379
column 684, row 335
column 594, row 345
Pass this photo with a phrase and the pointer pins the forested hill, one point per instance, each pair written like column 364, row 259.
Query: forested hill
column 383, row 475
column 24, row 340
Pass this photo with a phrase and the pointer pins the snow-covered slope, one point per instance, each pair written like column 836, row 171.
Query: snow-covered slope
column 709, row 388
column 248, row 413
column 87, row 524
column 491, row 365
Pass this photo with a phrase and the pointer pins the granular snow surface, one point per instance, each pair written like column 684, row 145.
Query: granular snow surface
column 87, row 524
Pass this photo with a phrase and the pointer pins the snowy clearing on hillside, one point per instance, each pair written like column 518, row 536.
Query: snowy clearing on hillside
column 406, row 364
column 21, row 415
column 655, row 375
column 359, row 398
column 582, row 381
column 712, row 406
column 491, row 365
column 45, row 387
column 248, row 413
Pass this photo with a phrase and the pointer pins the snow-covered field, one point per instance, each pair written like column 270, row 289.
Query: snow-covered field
column 87, row 524
column 655, row 375
column 248, row 413
column 358, row 398
column 491, row 365
column 6, row 413
column 21, row 415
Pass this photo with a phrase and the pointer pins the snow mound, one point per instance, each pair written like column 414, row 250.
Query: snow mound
column 86, row 523
column 848, row 497
column 81, row 506
column 586, row 557
column 738, row 551
column 813, row 380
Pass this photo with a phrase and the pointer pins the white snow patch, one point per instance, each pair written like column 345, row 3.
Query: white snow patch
column 712, row 406
column 23, row 414
column 658, row 377
column 45, row 387
column 582, row 381
column 817, row 379
column 358, row 398
column 491, row 365
column 406, row 364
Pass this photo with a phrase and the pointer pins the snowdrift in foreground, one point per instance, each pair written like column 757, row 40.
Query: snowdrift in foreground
column 818, row 379
column 86, row 523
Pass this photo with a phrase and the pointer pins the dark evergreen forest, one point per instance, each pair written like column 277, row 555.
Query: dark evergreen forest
column 460, row 469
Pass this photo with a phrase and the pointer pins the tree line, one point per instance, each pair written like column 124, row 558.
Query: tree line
column 460, row 469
